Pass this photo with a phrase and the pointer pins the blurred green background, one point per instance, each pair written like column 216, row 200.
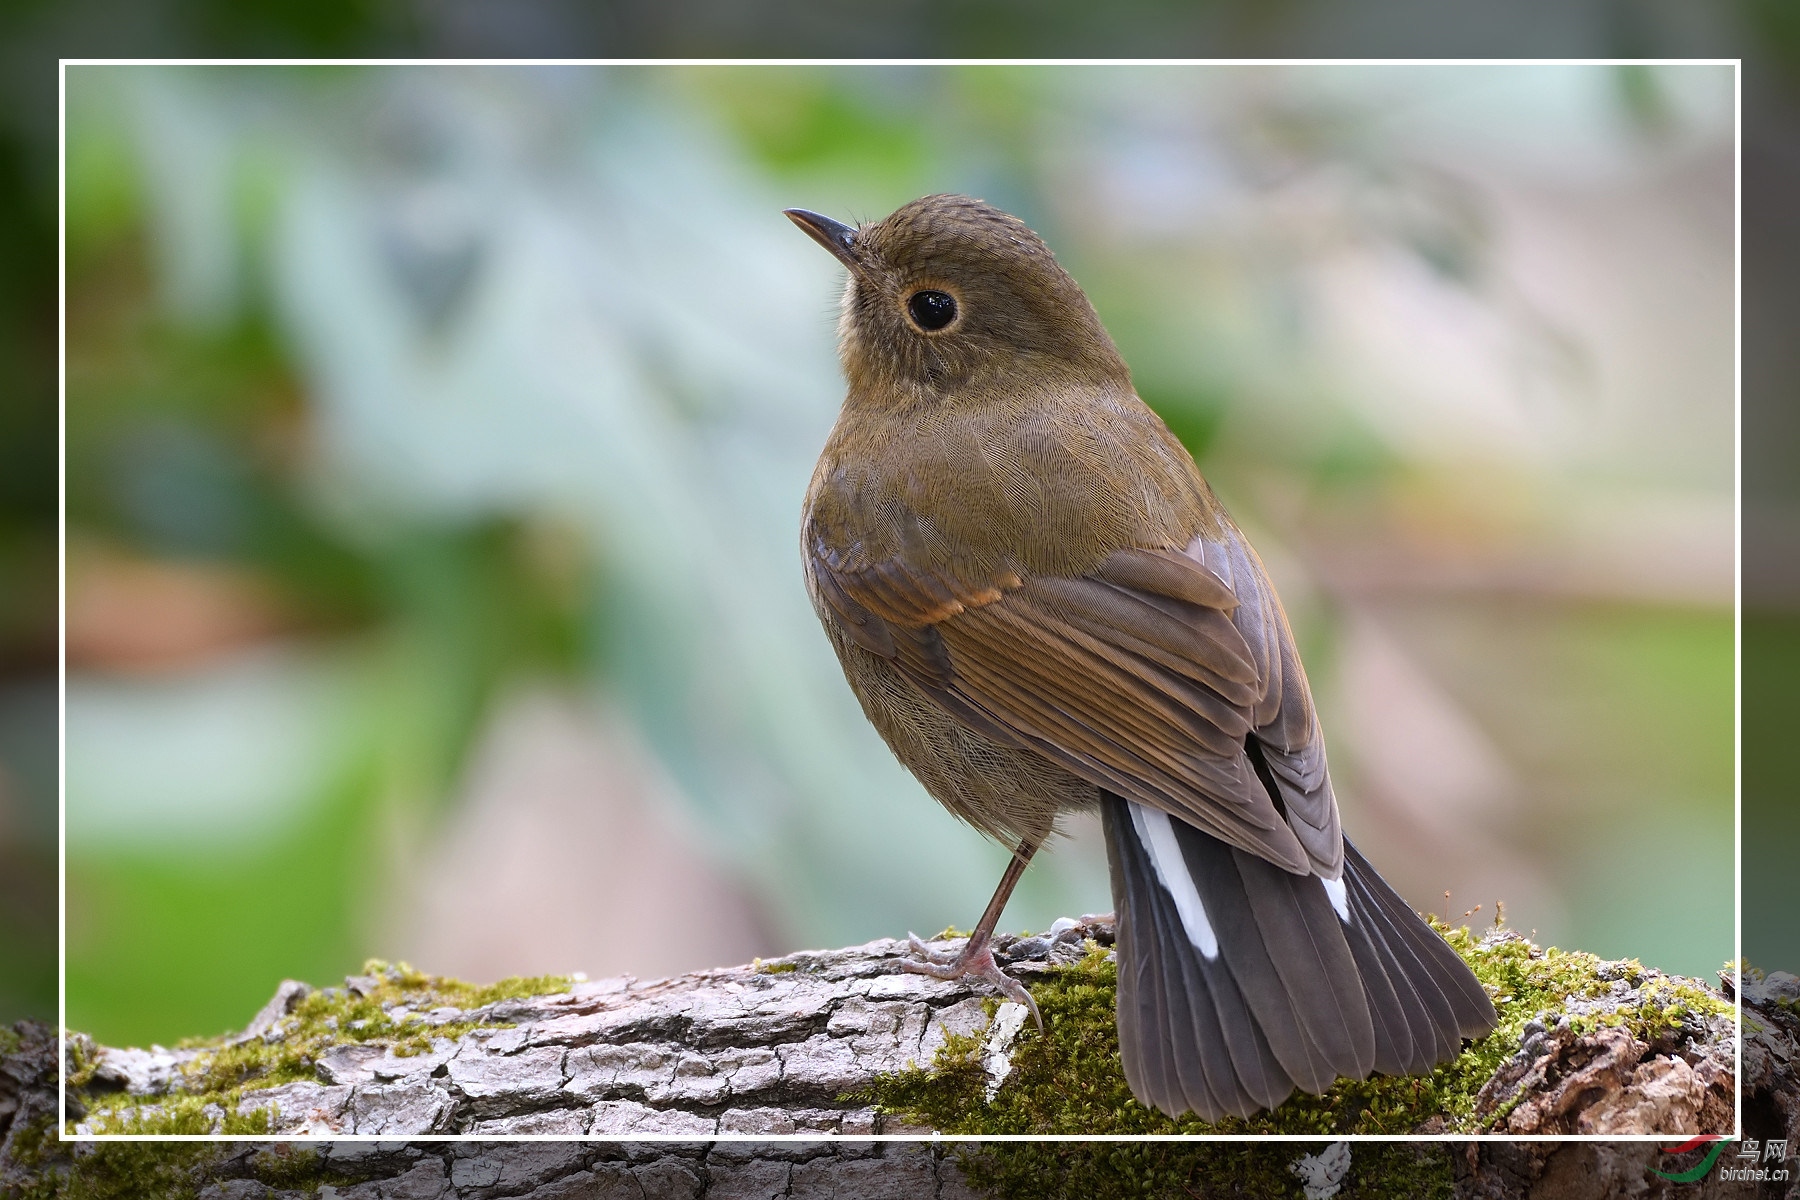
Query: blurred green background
column 436, row 438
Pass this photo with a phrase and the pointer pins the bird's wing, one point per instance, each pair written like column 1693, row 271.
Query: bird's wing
column 1168, row 677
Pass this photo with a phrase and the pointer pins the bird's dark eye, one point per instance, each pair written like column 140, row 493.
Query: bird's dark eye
column 932, row 310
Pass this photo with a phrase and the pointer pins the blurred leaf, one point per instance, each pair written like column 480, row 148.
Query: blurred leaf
column 819, row 120
column 1642, row 97
column 473, row 610
column 1192, row 415
column 105, row 196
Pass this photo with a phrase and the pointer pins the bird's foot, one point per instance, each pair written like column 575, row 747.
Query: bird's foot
column 922, row 951
column 976, row 958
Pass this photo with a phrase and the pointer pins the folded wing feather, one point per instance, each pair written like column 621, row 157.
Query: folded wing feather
column 1150, row 677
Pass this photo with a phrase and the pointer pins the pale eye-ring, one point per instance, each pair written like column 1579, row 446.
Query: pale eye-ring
column 931, row 310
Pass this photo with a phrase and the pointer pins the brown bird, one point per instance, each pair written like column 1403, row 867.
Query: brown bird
column 1043, row 608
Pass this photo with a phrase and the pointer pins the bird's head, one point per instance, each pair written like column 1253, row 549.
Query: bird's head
column 949, row 293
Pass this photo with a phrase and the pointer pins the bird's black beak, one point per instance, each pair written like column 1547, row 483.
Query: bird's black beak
column 835, row 236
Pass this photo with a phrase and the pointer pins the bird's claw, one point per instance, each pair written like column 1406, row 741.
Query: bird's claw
column 974, row 959
column 918, row 947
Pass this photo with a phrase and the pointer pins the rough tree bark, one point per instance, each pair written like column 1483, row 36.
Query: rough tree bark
column 789, row 1047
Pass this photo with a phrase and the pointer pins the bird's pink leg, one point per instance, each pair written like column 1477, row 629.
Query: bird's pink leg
column 977, row 955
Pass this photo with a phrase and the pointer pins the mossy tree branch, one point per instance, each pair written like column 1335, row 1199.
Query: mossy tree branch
column 843, row 1042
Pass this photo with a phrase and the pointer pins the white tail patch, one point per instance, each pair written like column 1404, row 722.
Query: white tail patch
column 1340, row 898
column 1158, row 836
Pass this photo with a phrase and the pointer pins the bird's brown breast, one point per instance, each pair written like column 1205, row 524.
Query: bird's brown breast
column 1022, row 484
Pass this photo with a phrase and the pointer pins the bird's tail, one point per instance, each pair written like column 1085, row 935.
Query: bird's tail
column 1239, row 982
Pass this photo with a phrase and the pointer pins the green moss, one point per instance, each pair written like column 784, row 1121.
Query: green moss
column 1069, row 1081
column 205, row 1113
column 161, row 1170
column 128, row 1171
column 28, row 1140
column 257, row 1121
column 84, row 1060
column 507, row 989
column 288, row 1167
column 774, row 968
column 10, row 1041
column 1247, row 1170
column 381, row 1012
column 173, row 1115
